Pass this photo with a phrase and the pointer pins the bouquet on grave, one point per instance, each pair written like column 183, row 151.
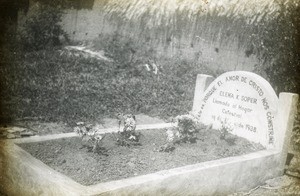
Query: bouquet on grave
column 91, row 136
column 185, row 129
column 127, row 134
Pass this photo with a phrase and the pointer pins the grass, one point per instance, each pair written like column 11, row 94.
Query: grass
column 59, row 85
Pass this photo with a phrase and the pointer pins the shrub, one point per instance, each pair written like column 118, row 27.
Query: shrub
column 63, row 85
column 91, row 136
column 127, row 135
column 41, row 28
column 276, row 43
column 185, row 129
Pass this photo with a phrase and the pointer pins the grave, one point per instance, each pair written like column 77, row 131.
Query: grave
column 243, row 103
column 240, row 102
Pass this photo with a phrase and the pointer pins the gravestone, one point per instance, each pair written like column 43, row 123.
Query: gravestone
column 242, row 103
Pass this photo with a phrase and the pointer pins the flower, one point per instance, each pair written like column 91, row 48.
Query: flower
column 170, row 135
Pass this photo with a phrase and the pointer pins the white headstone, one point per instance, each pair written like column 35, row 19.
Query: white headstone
column 243, row 103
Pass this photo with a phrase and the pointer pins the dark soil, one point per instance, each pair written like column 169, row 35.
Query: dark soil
column 118, row 162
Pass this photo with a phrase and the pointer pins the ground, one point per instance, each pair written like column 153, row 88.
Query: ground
column 114, row 162
column 284, row 185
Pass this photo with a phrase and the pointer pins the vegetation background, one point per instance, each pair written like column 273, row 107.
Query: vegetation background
column 41, row 78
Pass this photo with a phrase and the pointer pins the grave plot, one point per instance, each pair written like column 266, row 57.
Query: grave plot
column 115, row 162
column 236, row 103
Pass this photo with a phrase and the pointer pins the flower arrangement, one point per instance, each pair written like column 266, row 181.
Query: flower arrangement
column 185, row 129
column 91, row 136
column 127, row 134
column 225, row 129
column 187, row 126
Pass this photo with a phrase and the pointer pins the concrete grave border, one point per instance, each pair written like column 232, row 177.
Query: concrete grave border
column 22, row 174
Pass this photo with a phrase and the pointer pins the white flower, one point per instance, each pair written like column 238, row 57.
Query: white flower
column 80, row 123
column 132, row 137
column 77, row 130
column 177, row 133
column 129, row 123
column 170, row 135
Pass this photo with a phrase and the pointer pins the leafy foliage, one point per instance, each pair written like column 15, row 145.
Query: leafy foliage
column 184, row 131
column 62, row 85
column 188, row 125
column 91, row 136
column 295, row 141
column 276, row 43
column 41, row 28
column 128, row 139
column 127, row 136
column 225, row 131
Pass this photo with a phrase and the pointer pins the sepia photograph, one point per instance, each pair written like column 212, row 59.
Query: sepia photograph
column 149, row 97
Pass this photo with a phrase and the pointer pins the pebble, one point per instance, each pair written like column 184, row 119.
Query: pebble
column 10, row 136
column 27, row 134
column 63, row 161
column 133, row 159
column 281, row 181
column 49, row 160
column 130, row 164
column 15, row 129
column 141, row 162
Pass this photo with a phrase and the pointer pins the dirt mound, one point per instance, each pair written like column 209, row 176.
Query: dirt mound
column 118, row 162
